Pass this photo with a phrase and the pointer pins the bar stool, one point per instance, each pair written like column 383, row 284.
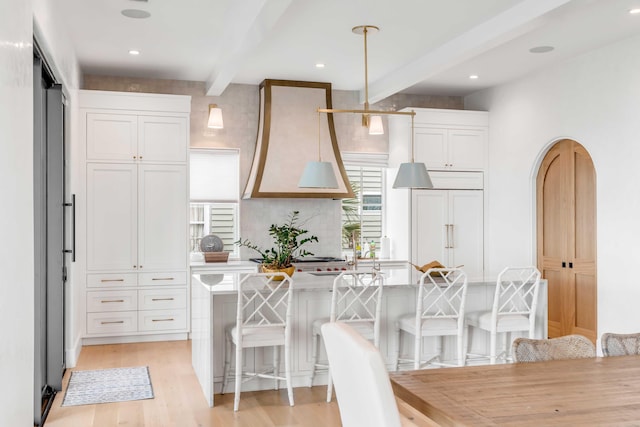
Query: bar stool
column 263, row 319
column 355, row 300
column 514, row 309
column 439, row 312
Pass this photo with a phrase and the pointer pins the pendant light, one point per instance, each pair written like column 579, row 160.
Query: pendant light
column 412, row 175
column 318, row 174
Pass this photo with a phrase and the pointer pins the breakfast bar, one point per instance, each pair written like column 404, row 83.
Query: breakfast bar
column 213, row 308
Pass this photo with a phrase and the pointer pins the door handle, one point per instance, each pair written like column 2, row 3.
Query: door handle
column 451, row 245
column 446, row 231
column 72, row 205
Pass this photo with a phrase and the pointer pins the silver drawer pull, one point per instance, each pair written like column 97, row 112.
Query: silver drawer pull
column 110, row 323
column 161, row 299
column 112, row 300
column 163, row 278
column 111, row 280
column 171, row 319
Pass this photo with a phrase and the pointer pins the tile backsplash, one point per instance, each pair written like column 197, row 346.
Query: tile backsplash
column 321, row 217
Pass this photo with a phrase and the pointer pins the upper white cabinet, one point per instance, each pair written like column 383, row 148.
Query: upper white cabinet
column 112, row 217
column 453, row 140
column 137, row 217
column 147, row 138
column 112, row 136
column 162, row 217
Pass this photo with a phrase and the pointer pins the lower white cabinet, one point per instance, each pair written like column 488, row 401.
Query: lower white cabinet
column 112, row 323
column 162, row 299
column 162, row 320
column 123, row 304
column 447, row 226
column 104, row 301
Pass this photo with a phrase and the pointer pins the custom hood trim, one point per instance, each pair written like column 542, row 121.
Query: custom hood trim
column 289, row 131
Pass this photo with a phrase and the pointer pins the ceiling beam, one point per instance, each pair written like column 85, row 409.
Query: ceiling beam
column 511, row 23
column 247, row 23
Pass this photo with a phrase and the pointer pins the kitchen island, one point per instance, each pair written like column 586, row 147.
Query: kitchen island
column 213, row 308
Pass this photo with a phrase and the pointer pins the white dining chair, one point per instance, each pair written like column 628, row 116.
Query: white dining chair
column 263, row 319
column 363, row 389
column 440, row 306
column 356, row 299
column 513, row 310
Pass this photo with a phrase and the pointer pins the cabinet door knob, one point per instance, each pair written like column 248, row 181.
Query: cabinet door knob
column 134, row 157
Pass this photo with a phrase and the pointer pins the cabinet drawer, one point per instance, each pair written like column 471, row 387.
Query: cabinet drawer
column 166, row 278
column 160, row 320
column 110, row 280
column 101, row 301
column 161, row 299
column 112, row 323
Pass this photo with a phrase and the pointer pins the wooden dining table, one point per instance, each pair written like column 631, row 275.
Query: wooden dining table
column 602, row 391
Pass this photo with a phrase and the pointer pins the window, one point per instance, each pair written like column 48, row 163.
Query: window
column 363, row 213
column 214, row 193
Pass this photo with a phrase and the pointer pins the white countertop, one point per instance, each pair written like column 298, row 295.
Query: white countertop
column 226, row 282
column 229, row 265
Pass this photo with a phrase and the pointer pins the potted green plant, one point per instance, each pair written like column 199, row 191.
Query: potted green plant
column 288, row 245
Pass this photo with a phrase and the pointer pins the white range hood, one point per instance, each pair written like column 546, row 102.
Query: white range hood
column 289, row 132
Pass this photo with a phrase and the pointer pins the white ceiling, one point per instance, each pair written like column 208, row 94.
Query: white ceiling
column 423, row 46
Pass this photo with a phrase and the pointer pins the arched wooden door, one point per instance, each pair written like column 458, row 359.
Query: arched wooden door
column 566, row 238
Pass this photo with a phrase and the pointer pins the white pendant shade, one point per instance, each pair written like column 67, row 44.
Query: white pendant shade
column 318, row 175
column 412, row 175
column 375, row 125
column 215, row 117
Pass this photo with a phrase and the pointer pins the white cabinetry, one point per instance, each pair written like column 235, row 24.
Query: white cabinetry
column 148, row 138
column 450, row 149
column 446, row 223
column 447, row 226
column 452, row 140
column 136, row 230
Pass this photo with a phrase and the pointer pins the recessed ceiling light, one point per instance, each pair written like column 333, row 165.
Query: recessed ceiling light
column 541, row 49
column 135, row 13
column 473, row 76
column 134, row 52
column 319, row 65
column 634, row 11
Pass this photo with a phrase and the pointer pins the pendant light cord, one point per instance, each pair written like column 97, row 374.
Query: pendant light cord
column 412, row 132
column 319, row 157
column 366, row 71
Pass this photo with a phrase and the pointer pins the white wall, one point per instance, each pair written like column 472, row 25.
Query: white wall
column 595, row 100
column 16, row 213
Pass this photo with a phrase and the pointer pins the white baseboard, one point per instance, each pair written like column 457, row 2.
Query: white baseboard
column 134, row 338
column 72, row 354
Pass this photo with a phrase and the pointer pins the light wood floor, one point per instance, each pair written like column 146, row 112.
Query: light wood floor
column 179, row 400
